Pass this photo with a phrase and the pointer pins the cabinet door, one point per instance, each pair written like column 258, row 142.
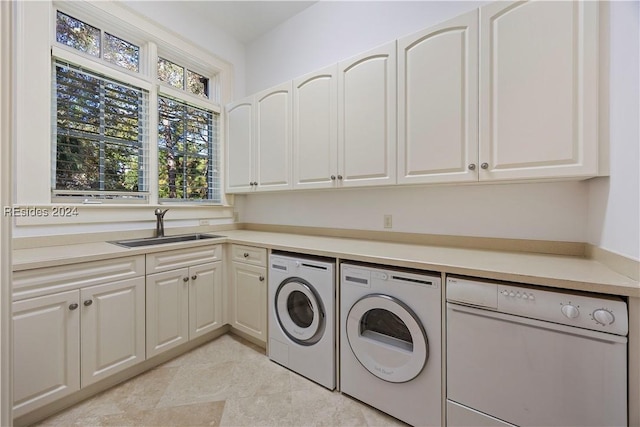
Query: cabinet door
column 167, row 310
column 273, row 138
column 367, row 118
column 250, row 299
column 315, row 134
column 112, row 333
column 239, row 119
column 438, row 103
column 205, row 298
column 538, row 89
column 46, row 350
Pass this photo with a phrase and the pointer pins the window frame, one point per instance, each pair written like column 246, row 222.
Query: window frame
column 151, row 48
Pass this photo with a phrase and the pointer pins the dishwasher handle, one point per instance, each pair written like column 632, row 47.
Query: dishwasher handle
column 472, row 292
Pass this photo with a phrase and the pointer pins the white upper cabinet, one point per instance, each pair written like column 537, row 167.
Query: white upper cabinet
column 538, row 90
column 273, row 138
column 259, row 141
column 367, row 118
column 438, row 103
column 240, row 147
column 505, row 92
column 315, row 134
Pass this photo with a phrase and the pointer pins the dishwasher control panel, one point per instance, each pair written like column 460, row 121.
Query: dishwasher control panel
column 589, row 311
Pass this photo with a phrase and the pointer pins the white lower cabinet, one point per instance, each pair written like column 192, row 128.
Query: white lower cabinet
column 111, row 328
column 249, row 291
column 183, row 304
column 46, row 350
column 184, row 296
column 68, row 340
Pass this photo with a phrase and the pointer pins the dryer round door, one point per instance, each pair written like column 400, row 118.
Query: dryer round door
column 299, row 311
column 387, row 338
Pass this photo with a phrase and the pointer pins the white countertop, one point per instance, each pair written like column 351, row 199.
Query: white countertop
column 538, row 269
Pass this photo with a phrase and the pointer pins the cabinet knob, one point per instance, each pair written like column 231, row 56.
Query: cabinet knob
column 73, row 306
column 472, row 166
column 194, row 277
column 246, row 254
column 88, row 302
column 340, row 177
column 333, row 177
column 255, row 183
column 485, row 166
column 185, row 279
column 261, row 278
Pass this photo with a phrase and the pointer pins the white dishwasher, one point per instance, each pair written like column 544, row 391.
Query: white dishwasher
column 531, row 356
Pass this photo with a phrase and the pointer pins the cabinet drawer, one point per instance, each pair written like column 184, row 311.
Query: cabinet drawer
column 170, row 260
column 249, row 255
column 43, row 281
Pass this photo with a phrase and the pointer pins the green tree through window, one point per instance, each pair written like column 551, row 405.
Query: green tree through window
column 99, row 133
column 186, row 154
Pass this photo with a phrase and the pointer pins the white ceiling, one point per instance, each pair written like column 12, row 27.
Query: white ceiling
column 247, row 20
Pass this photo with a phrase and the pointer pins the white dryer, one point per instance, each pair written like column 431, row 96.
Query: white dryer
column 302, row 316
column 390, row 330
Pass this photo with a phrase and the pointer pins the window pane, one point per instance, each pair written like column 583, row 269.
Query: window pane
column 77, row 163
column 77, row 34
column 78, row 99
column 121, row 52
column 170, row 73
column 99, row 133
column 121, row 167
column 186, row 152
column 197, row 84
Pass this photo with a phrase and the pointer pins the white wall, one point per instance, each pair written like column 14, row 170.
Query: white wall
column 602, row 211
column 6, row 119
column 551, row 211
column 330, row 31
column 614, row 202
column 176, row 16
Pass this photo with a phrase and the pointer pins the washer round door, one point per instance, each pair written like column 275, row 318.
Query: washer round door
column 299, row 311
column 387, row 338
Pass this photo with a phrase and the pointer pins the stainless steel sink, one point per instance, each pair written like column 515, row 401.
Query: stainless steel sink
column 150, row 241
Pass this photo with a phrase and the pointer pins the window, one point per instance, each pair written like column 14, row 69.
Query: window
column 88, row 39
column 187, row 152
column 99, row 136
column 75, row 33
column 101, row 132
column 174, row 75
column 187, row 137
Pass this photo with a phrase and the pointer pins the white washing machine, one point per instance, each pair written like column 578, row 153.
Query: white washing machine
column 390, row 330
column 302, row 316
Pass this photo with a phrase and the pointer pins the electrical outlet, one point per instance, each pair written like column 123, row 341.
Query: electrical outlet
column 236, row 217
column 388, row 221
column 204, row 222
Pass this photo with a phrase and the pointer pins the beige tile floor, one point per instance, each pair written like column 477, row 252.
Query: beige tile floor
column 227, row 382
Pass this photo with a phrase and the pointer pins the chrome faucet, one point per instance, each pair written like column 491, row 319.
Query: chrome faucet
column 160, row 221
